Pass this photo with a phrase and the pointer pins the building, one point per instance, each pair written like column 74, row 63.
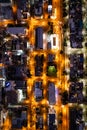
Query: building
column 38, row 11
column 39, row 38
column 51, row 93
column 54, row 41
column 51, row 120
column 49, row 2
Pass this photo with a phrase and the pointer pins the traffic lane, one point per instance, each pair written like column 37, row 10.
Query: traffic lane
column 57, row 5
column 6, row 22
